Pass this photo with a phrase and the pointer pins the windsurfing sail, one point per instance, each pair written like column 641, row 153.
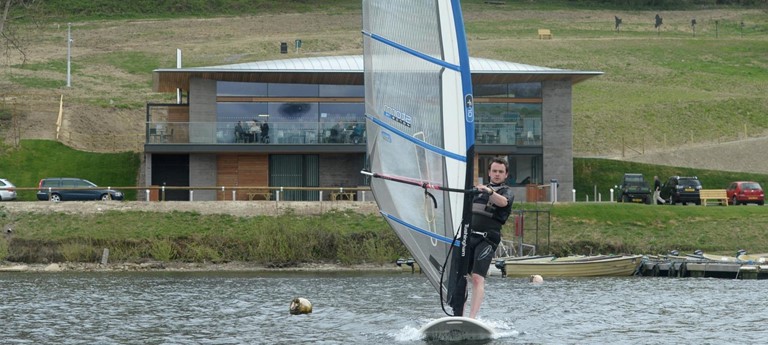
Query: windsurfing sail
column 420, row 123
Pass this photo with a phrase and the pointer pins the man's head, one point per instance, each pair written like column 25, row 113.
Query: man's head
column 498, row 170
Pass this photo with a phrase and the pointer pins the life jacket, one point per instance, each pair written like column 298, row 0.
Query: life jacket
column 482, row 206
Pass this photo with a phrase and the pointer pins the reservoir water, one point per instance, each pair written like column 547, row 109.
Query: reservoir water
column 368, row 308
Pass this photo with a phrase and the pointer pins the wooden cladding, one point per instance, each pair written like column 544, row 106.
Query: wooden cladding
column 241, row 170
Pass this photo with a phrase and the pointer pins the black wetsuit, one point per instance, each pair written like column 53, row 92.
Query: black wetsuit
column 485, row 235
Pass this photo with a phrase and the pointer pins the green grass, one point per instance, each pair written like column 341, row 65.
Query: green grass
column 345, row 238
column 38, row 83
column 349, row 238
column 37, row 159
column 131, row 62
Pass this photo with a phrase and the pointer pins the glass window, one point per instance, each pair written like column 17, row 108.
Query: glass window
column 508, row 123
column 231, row 88
column 525, row 90
column 293, row 111
column 338, row 120
column 293, row 90
column 235, row 111
column 490, row 90
column 342, row 91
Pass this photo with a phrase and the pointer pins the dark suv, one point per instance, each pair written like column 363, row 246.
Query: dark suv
column 67, row 188
column 633, row 188
column 682, row 189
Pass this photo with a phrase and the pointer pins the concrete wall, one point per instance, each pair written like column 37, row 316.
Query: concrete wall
column 147, row 171
column 202, row 111
column 202, row 172
column 557, row 136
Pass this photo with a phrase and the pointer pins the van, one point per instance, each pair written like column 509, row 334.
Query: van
column 69, row 188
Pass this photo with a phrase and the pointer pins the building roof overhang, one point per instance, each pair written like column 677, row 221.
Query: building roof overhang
column 348, row 70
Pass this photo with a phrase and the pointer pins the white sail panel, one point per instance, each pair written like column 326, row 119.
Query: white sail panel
column 420, row 131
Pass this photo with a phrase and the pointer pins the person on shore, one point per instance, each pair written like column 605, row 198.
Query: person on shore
column 490, row 210
column 265, row 132
column 239, row 132
column 657, row 199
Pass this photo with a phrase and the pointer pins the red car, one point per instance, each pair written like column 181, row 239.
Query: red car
column 744, row 192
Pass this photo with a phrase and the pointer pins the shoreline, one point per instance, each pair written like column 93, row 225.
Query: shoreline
column 158, row 266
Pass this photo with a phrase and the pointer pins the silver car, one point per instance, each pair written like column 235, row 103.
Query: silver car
column 7, row 190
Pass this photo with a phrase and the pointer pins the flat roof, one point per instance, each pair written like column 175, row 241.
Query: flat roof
column 348, row 69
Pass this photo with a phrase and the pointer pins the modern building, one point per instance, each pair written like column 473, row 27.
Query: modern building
column 215, row 137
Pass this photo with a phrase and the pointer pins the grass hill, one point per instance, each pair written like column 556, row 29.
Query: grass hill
column 663, row 88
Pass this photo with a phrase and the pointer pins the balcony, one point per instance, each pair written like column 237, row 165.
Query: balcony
column 313, row 133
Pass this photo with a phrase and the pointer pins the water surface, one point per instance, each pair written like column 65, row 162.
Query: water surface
column 380, row 308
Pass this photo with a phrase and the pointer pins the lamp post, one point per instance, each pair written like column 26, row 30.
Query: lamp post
column 69, row 54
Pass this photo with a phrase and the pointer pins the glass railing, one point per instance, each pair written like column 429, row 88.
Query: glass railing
column 486, row 133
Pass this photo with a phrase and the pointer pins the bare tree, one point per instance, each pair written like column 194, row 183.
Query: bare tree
column 9, row 38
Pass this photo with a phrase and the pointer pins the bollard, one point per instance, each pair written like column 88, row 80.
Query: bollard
column 573, row 195
column 191, row 195
column 553, row 190
column 146, row 192
column 105, row 256
column 234, row 197
column 611, row 194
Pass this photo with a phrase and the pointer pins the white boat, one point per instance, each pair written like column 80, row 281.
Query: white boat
column 575, row 266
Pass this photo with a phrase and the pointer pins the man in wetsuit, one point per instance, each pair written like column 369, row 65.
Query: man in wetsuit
column 490, row 210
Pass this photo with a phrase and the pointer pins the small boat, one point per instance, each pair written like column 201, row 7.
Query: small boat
column 575, row 266
column 754, row 258
column 14, row 268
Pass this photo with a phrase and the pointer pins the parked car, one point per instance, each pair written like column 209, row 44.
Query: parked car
column 744, row 192
column 633, row 188
column 682, row 189
column 68, row 188
column 7, row 190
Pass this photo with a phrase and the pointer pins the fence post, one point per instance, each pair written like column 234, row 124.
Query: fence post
column 553, row 190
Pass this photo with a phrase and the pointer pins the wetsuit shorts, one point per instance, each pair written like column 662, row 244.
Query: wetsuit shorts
column 480, row 254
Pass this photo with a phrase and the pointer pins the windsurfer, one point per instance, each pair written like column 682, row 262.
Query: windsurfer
column 490, row 210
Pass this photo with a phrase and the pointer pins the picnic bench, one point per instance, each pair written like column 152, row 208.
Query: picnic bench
column 265, row 194
column 713, row 194
column 336, row 196
column 545, row 34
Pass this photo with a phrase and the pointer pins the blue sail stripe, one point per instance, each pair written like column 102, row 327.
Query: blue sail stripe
column 466, row 74
column 413, row 52
column 426, row 146
column 440, row 238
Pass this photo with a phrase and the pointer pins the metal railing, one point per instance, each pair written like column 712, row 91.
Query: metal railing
column 491, row 133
